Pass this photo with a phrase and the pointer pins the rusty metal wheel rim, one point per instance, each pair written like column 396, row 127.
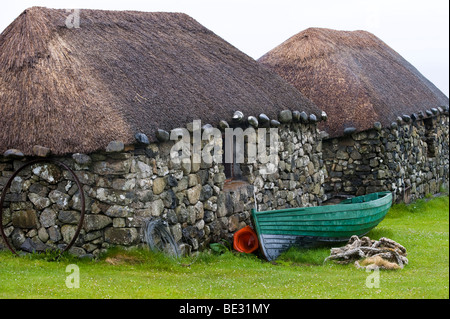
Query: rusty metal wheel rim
column 8, row 184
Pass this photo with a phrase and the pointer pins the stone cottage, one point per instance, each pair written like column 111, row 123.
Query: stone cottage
column 388, row 125
column 99, row 100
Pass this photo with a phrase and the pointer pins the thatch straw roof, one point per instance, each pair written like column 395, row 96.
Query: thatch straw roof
column 120, row 73
column 354, row 76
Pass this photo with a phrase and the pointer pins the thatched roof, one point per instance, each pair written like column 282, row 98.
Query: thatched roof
column 354, row 76
column 120, row 73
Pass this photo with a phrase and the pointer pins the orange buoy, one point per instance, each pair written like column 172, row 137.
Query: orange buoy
column 245, row 240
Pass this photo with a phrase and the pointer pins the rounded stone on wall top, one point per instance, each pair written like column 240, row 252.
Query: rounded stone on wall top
column 263, row 119
column 142, row 138
column 349, row 130
column 303, row 117
column 41, row 151
column 115, row 146
column 162, row 135
column 285, row 116
column 207, row 127
column 406, row 118
column 377, row 126
column 274, row 123
column 445, row 108
column 13, row 153
column 253, row 121
column 296, row 116
column 223, row 125
column 238, row 116
column 312, row 118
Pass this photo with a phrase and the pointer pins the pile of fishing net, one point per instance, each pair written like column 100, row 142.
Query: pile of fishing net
column 370, row 254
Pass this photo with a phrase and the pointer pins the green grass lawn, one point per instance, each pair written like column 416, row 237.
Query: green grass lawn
column 422, row 227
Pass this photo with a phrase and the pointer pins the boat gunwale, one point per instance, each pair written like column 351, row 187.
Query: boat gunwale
column 266, row 218
column 383, row 200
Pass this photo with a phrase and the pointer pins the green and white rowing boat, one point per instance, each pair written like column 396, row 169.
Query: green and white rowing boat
column 278, row 230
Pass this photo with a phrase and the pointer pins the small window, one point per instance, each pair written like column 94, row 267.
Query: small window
column 430, row 137
column 232, row 170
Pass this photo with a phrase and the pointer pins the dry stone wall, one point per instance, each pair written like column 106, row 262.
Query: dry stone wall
column 411, row 159
column 126, row 185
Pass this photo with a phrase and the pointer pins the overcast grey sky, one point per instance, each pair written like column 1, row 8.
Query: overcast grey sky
column 418, row 30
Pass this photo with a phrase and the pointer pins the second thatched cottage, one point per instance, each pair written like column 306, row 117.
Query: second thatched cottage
column 388, row 126
column 99, row 94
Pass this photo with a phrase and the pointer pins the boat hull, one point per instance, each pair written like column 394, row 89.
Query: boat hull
column 279, row 230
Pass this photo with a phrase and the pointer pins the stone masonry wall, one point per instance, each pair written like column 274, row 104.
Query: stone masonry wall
column 129, row 185
column 411, row 159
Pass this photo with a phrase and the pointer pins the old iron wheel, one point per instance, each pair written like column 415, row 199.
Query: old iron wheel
column 8, row 184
